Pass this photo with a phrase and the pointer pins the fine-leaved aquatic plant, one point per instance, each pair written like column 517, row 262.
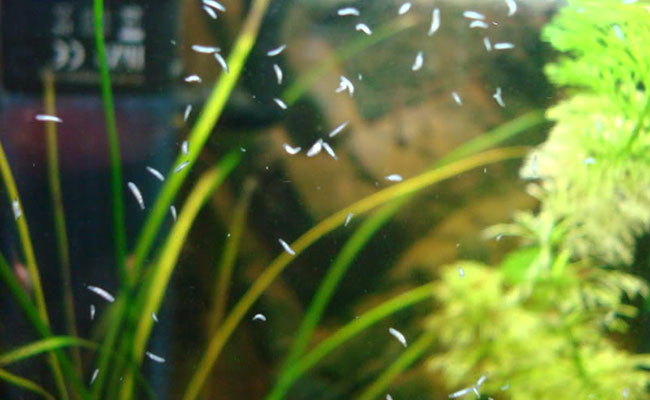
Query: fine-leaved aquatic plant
column 544, row 340
column 597, row 156
column 542, row 324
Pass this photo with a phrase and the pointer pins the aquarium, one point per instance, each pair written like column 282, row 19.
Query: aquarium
column 324, row 199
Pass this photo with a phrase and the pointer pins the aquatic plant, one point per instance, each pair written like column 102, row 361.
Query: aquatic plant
column 124, row 329
column 547, row 340
column 596, row 154
column 544, row 324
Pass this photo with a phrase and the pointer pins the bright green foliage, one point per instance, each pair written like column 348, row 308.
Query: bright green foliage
column 548, row 343
column 549, row 322
column 595, row 165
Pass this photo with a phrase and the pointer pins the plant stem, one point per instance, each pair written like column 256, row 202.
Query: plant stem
column 364, row 205
column 28, row 253
column 346, row 332
column 229, row 256
column 156, row 285
column 119, row 229
column 408, row 357
column 59, row 213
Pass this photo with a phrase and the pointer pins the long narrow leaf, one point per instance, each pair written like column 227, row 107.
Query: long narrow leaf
column 229, row 256
column 43, row 346
column 119, row 229
column 277, row 266
column 25, row 304
column 59, row 214
column 335, row 273
column 377, row 219
column 157, row 281
column 405, row 360
column 346, row 332
column 25, row 238
column 201, row 131
column 197, row 138
column 23, row 383
column 114, row 322
column 32, row 267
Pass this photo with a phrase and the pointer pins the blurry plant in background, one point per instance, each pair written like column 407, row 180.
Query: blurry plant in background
column 548, row 322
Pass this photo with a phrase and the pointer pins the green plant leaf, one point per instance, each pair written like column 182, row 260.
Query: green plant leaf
column 345, row 333
column 23, row 383
column 516, row 264
column 200, row 131
column 30, row 311
column 405, row 360
column 157, row 279
column 364, row 205
column 335, row 273
column 42, row 346
column 224, row 271
column 487, row 325
column 119, row 229
column 377, row 219
column 197, row 138
column 61, row 234
column 32, row 267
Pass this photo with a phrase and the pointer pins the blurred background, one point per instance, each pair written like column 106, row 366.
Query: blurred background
column 400, row 120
